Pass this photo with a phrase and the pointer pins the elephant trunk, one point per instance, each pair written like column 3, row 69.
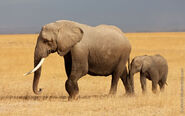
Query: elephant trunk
column 131, row 78
column 37, row 75
column 39, row 55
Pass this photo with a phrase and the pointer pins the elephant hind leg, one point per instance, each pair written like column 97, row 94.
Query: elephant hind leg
column 155, row 79
column 114, row 83
column 154, row 87
column 128, row 84
column 162, row 83
column 116, row 75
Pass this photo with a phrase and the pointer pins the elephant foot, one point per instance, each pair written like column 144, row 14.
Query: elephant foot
column 73, row 98
column 111, row 95
column 112, row 92
column 162, row 89
column 128, row 94
column 154, row 91
column 144, row 92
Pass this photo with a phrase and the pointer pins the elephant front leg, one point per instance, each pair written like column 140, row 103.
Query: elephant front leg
column 78, row 65
column 143, row 83
column 72, row 89
column 72, row 84
column 78, row 70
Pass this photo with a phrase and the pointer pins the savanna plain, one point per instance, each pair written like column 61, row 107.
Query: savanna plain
column 17, row 98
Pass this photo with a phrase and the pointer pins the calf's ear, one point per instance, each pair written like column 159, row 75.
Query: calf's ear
column 145, row 65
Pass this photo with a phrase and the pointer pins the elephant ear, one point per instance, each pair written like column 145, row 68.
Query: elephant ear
column 146, row 63
column 68, row 36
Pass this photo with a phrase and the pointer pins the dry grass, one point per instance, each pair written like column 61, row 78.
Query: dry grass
column 17, row 98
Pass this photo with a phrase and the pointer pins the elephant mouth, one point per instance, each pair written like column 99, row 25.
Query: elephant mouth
column 51, row 51
column 62, row 53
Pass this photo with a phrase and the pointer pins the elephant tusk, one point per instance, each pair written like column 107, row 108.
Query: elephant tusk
column 38, row 66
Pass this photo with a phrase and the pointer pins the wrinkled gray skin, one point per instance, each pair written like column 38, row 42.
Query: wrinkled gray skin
column 100, row 51
column 154, row 68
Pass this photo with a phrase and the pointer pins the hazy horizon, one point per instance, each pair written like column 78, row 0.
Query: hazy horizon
column 20, row 16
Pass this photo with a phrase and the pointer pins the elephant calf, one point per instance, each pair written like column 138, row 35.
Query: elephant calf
column 155, row 68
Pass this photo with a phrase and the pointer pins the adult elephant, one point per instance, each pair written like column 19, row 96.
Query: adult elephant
column 99, row 51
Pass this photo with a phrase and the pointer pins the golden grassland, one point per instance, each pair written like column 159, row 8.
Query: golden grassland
column 17, row 98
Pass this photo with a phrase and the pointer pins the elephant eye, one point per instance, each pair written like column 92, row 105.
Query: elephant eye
column 50, row 43
column 45, row 40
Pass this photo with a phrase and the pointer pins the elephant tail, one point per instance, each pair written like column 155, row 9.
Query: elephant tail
column 129, row 67
column 129, row 64
column 166, row 83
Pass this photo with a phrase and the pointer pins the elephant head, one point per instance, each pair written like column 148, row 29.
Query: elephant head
column 59, row 37
column 138, row 64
